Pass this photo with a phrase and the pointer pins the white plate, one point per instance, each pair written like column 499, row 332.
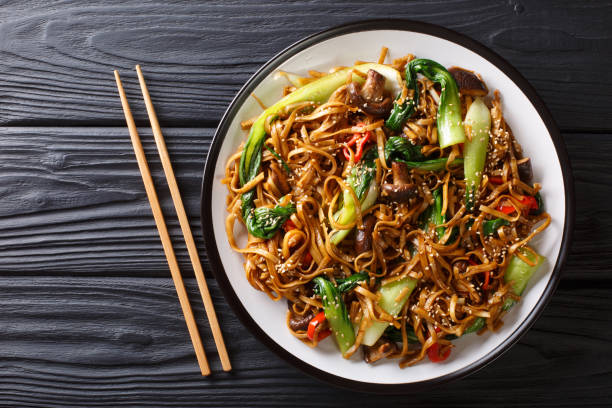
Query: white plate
column 531, row 124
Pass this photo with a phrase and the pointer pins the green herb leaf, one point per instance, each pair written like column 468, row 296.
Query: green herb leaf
column 361, row 176
column 398, row 147
column 263, row 222
column 432, row 165
column 336, row 313
column 491, row 226
column 395, row 334
column 540, row 202
column 347, row 284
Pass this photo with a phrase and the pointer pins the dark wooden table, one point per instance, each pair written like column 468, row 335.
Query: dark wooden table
column 88, row 314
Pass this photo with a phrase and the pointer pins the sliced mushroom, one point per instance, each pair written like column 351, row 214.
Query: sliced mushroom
column 401, row 190
column 363, row 237
column 374, row 87
column 524, row 170
column 400, row 173
column 370, row 97
column 469, row 83
column 400, row 193
column 381, row 349
column 297, row 322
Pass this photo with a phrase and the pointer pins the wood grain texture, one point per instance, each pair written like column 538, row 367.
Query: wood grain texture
column 72, row 201
column 56, row 58
column 89, row 314
column 76, row 195
column 76, row 342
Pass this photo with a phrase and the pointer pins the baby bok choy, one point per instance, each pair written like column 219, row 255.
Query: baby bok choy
column 392, row 298
column 400, row 149
column 519, row 272
column 345, row 285
column 335, row 313
column 264, row 222
column 449, row 123
column 360, row 180
column 478, row 126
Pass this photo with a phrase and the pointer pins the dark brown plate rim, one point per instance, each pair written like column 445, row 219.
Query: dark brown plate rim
column 384, row 24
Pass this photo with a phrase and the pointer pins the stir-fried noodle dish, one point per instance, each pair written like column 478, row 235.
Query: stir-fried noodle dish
column 389, row 204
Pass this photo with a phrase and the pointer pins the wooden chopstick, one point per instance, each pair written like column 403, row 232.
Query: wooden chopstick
column 163, row 232
column 184, row 222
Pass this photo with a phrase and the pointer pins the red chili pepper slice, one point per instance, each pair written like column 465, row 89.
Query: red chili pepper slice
column 312, row 326
column 323, row 334
column 485, row 285
column 289, row 225
column 530, row 202
column 307, row 258
column 496, row 180
column 360, row 139
column 434, row 353
column 351, row 142
column 506, row 209
column 359, row 151
column 360, row 144
column 354, row 139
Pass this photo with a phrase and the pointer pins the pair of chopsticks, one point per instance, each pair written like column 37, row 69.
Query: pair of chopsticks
column 163, row 230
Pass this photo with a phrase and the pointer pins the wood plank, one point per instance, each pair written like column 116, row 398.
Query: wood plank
column 57, row 59
column 122, row 342
column 72, row 201
column 590, row 252
column 59, row 199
